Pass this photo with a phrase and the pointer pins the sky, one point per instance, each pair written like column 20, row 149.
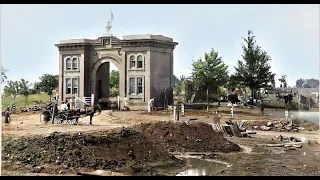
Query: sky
column 289, row 33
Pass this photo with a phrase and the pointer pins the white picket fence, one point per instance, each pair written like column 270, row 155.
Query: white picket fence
column 81, row 101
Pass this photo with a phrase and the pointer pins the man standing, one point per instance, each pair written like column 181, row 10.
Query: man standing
column 57, row 98
column 262, row 108
column 7, row 116
column 68, row 105
column 150, row 105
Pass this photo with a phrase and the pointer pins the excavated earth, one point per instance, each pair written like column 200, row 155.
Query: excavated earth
column 142, row 149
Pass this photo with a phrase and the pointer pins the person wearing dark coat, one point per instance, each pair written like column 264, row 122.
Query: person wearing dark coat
column 6, row 116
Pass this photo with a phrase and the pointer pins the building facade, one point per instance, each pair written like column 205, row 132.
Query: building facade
column 144, row 62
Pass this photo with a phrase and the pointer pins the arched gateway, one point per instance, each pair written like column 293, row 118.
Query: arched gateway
column 144, row 62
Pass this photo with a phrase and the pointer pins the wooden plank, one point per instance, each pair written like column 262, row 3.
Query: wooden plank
column 235, row 130
column 87, row 174
column 275, row 145
column 296, row 145
column 226, row 130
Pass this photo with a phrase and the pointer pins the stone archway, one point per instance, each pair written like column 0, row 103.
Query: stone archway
column 106, row 58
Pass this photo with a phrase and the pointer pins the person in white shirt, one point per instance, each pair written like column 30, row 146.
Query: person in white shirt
column 57, row 98
column 150, row 105
column 63, row 107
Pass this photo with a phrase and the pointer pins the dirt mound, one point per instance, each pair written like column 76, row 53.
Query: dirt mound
column 138, row 150
column 195, row 137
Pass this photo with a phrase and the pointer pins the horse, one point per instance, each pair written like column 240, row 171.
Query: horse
column 89, row 111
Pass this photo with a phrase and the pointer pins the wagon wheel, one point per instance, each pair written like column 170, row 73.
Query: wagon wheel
column 43, row 116
column 73, row 122
column 69, row 121
column 60, row 118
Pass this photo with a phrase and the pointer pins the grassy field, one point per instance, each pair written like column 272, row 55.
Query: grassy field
column 20, row 100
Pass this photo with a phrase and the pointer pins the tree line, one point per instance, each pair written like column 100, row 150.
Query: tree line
column 253, row 71
column 47, row 84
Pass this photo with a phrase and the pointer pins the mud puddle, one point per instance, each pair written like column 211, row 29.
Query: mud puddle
column 202, row 167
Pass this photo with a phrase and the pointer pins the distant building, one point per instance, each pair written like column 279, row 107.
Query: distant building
column 308, row 97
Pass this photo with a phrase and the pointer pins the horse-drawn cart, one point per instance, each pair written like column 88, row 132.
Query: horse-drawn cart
column 69, row 116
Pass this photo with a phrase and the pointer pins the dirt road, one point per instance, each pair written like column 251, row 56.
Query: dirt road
column 29, row 124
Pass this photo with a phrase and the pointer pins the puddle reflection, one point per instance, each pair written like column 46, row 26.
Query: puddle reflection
column 202, row 168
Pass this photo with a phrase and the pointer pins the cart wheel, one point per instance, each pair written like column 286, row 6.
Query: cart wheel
column 72, row 122
column 56, row 121
column 60, row 118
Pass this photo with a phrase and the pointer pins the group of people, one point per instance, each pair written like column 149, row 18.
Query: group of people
column 65, row 106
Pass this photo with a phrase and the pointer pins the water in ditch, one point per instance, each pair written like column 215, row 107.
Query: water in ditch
column 201, row 167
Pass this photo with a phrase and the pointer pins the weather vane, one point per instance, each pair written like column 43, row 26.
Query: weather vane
column 109, row 25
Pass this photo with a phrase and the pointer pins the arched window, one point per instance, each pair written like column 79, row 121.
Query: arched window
column 132, row 62
column 75, row 63
column 140, row 61
column 68, row 64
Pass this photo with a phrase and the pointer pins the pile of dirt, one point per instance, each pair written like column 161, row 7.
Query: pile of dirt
column 180, row 137
column 137, row 150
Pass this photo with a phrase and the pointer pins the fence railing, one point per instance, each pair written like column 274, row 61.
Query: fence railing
column 81, row 101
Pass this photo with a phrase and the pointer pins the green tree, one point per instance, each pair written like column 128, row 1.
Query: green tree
column 232, row 83
column 3, row 75
column 221, row 91
column 37, row 88
column 12, row 89
column 176, row 81
column 307, row 85
column 114, row 79
column 48, row 83
column 254, row 71
column 179, row 84
column 300, row 82
column 24, row 90
column 283, row 80
column 209, row 73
